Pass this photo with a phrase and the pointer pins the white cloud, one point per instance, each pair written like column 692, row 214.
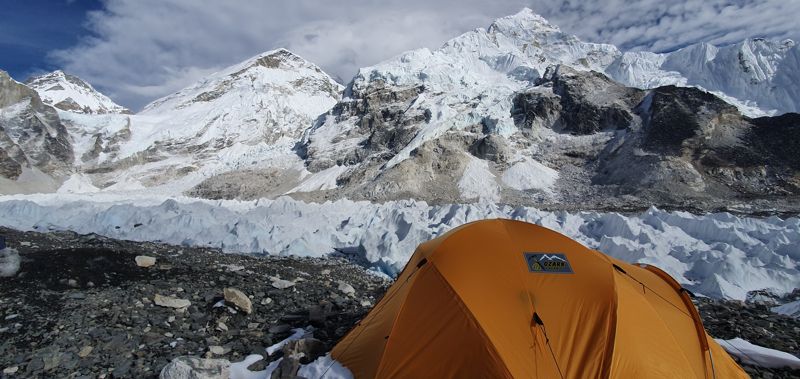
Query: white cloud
column 144, row 49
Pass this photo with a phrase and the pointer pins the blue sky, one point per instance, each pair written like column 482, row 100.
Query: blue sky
column 138, row 50
column 30, row 29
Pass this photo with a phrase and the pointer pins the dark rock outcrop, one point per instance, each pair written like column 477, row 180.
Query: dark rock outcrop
column 33, row 136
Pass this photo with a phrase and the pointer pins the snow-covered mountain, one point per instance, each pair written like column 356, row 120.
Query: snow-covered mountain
column 246, row 116
column 759, row 75
column 523, row 113
column 519, row 112
column 70, row 93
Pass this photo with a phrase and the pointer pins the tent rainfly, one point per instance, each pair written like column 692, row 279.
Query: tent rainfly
column 508, row 299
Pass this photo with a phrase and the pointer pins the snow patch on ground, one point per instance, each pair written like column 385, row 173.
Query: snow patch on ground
column 529, row 174
column 78, row 183
column 297, row 334
column 478, row 182
column 325, row 367
column 757, row 355
column 718, row 255
column 323, row 180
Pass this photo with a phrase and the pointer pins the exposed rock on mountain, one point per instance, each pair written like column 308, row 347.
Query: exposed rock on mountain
column 70, row 93
column 34, row 143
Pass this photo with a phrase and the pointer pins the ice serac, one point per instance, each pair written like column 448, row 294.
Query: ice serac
column 35, row 149
column 246, row 117
column 717, row 254
column 70, row 93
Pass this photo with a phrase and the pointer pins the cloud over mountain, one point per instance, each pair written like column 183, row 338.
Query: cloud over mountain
column 144, row 49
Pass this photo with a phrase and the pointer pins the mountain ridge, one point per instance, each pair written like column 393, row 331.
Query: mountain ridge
column 454, row 124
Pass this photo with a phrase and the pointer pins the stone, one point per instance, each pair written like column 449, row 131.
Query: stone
column 216, row 350
column 51, row 360
column 281, row 283
column 346, row 288
column 85, row 351
column 171, row 302
column 222, row 327
column 145, row 261
column 239, row 299
column 187, row 367
column 10, row 370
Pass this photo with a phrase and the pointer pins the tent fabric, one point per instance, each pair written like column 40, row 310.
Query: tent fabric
column 508, row 299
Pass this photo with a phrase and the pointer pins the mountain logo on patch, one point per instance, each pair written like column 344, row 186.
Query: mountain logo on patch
column 548, row 263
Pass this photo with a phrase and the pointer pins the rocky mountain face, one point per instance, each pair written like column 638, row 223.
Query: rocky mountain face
column 70, row 93
column 578, row 137
column 34, row 143
column 525, row 114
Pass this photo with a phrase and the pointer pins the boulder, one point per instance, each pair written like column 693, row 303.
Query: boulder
column 346, row 288
column 239, row 299
column 145, row 261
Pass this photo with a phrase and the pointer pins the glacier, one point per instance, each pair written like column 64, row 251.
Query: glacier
column 718, row 255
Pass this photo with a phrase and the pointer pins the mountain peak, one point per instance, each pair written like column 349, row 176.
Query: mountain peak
column 525, row 20
column 275, row 70
column 280, row 58
column 71, row 93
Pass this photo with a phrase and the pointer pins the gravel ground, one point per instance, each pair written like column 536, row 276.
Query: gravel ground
column 81, row 307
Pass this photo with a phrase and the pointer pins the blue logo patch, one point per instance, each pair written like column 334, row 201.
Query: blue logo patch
column 548, row 263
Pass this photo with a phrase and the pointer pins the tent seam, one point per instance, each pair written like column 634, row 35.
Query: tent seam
column 473, row 319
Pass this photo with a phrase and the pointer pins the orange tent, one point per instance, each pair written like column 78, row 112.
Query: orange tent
column 508, row 299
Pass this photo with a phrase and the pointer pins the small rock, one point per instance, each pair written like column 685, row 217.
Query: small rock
column 72, row 283
column 85, row 351
column 145, row 261
column 239, row 299
column 171, row 302
column 222, row 327
column 346, row 288
column 196, row 368
column 281, row 283
column 10, row 370
column 216, row 350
